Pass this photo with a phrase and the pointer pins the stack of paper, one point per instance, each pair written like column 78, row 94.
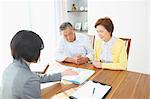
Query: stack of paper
column 83, row 75
column 91, row 90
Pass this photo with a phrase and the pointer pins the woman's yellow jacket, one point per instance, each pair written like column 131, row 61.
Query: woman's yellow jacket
column 119, row 55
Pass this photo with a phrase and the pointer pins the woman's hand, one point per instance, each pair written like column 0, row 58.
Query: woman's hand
column 97, row 64
column 69, row 72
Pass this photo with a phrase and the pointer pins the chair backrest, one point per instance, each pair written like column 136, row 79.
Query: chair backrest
column 92, row 40
column 127, row 44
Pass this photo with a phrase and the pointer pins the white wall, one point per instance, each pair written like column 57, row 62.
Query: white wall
column 130, row 19
column 41, row 20
column 40, row 16
column 14, row 17
column 148, row 36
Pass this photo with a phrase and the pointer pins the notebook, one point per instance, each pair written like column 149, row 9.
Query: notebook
column 91, row 90
column 83, row 75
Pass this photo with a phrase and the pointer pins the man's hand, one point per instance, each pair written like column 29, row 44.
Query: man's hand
column 77, row 59
column 80, row 60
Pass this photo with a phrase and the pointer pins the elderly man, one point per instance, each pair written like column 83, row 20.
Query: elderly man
column 74, row 47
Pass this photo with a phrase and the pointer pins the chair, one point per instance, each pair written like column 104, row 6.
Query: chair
column 92, row 40
column 127, row 44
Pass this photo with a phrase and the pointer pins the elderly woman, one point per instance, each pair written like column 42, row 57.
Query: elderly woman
column 109, row 51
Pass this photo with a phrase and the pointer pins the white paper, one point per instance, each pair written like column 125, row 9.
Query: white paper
column 36, row 67
column 48, row 84
column 83, row 75
column 55, row 67
column 86, row 91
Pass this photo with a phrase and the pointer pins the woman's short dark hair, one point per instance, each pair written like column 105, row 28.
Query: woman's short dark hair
column 65, row 25
column 26, row 45
column 107, row 23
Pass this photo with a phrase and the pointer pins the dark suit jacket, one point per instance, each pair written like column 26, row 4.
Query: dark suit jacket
column 19, row 82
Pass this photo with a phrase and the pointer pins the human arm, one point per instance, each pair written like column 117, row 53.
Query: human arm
column 56, row 76
column 88, row 57
column 31, row 88
column 89, row 50
column 50, row 77
column 97, row 50
column 60, row 54
column 77, row 59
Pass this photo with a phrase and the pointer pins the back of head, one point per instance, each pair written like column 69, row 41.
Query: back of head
column 26, row 45
column 65, row 25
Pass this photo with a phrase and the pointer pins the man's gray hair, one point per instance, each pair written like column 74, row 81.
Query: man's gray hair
column 65, row 25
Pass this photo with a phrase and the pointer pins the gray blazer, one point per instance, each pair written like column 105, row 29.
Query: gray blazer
column 19, row 82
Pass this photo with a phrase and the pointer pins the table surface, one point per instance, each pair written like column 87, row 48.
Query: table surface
column 125, row 84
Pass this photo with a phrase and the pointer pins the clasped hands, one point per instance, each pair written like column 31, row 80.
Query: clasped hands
column 79, row 59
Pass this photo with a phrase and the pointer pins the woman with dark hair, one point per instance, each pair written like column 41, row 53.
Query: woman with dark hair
column 109, row 51
column 18, row 81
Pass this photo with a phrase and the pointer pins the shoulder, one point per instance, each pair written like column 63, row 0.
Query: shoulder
column 61, row 38
column 25, row 77
column 119, row 41
column 23, row 74
column 20, row 79
column 98, row 41
column 81, row 36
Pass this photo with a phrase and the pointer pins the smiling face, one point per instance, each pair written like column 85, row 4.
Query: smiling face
column 104, row 27
column 69, row 34
column 103, row 33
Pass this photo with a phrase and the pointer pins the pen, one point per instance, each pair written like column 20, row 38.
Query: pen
column 93, row 90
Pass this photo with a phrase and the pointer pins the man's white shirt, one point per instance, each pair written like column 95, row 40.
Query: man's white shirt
column 81, row 46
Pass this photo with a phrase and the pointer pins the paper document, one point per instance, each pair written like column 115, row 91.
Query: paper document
column 83, row 75
column 55, row 67
column 91, row 90
column 48, row 84
column 38, row 68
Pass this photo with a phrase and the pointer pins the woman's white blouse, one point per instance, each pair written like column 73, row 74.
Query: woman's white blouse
column 106, row 55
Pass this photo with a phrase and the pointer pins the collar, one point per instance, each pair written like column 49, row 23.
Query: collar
column 110, row 41
column 21, row 63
